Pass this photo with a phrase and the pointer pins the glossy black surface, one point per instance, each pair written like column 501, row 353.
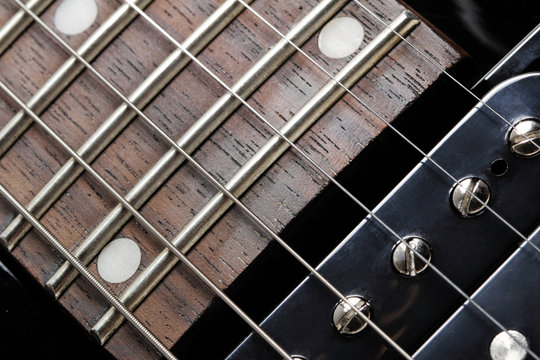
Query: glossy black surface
column 522, row 57
column 33, row 327
column 466, row 250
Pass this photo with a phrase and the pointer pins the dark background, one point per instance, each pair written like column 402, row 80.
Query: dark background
column 32, row 326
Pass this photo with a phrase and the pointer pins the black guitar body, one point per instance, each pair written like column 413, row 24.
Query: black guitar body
column 34, row 327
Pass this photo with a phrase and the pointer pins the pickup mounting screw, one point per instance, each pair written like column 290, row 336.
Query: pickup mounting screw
column 346, row 320
column 407, row 261
column 463, row 199
column 508, row 347
column 524, row 138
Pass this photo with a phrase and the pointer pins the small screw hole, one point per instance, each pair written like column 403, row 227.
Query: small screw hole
column 499, row 167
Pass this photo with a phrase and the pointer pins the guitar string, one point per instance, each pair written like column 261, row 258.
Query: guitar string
column 18, row 22
column 399, row 133
column 504, row 221
column 93, row 280
column 176, row 146
column 444, row 277
column 142, row 13
column 146, row 224
column 452, row 78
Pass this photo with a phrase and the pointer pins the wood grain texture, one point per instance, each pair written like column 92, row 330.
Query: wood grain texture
column 337, row 138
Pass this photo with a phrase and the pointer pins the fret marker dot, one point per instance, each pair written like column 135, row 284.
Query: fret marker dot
column 341, row 37
column 75, row 16
column 119, row 260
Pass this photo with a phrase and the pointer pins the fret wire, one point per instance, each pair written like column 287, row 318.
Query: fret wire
column 120, row 118
column 92, row 279
column 152, row 229
column 444, row 277
column 393, row 128
column 252, row 169
column 18, row 22
column 159, row 131
column 147, row 225
column 288, row 141
column 67, row 72
column 437, row 271
column 222, row 108
column 452, row 78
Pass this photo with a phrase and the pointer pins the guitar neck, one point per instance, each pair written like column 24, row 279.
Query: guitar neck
column 78, row 110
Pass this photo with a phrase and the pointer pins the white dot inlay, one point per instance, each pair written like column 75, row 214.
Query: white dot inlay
column 341, row 37
column 119, row 260
column 75, row 16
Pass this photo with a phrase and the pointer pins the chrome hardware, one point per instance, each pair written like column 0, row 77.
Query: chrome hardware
column 463, row 199
column 346, row 320
column 407, row 261
column 524, row 139
column 298, row 357
column 508, row 347
column 262, row 159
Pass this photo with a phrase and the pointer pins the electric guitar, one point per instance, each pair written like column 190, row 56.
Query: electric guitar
column 231, row 41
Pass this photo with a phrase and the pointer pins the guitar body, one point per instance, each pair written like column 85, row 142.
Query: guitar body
column 290, row 196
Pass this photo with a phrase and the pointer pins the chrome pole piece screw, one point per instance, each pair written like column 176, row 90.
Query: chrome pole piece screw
column 524, row 139
column 463, row 199
column 506, row 347
column 406, row 261
column 298, row 357
column 346, row 320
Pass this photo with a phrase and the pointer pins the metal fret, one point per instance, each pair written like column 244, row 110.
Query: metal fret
column 111, row 298
column 19, row 22
column 341, row 187
column 121, row 117
column 254, row 168
column 140, row 218
column 194, row 136
column 58, row 82
column 381, row 222
column 394, row 129
column 149, row 226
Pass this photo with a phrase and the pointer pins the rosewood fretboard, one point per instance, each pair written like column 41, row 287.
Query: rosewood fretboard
column 283, row 191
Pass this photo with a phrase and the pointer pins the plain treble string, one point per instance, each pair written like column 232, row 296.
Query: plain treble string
column 146, row 224
column 444, row 277
column 393, row 128
column 438, row 66
column 17, row 23
column 154, row 231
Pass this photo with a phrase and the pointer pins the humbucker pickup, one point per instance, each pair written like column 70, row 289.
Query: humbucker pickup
column 466, row 241
column 511, row 295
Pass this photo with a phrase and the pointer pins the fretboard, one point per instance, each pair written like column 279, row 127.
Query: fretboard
column 277, row 197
